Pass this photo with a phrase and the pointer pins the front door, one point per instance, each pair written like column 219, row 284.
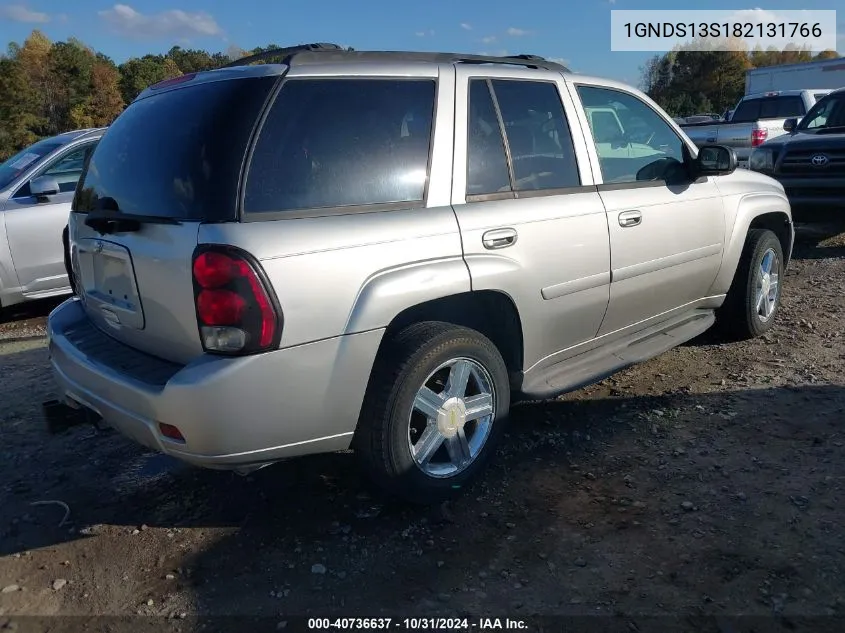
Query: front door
column 532, row 224
column 34, row 226
column 666, row 231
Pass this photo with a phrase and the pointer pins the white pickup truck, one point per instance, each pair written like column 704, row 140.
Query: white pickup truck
column 756, row 119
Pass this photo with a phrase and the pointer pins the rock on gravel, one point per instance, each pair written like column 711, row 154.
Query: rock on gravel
column 11, row 588
column 59, row 583
column 318, row 569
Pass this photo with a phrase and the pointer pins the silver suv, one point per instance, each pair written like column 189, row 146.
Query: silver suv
column 36, row 190
column 380, row 251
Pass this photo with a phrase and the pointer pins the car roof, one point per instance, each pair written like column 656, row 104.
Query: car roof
column 334, row 53
column 278, row 61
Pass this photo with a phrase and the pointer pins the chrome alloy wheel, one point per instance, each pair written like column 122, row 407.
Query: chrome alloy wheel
column 452, row 417
column 768, row 286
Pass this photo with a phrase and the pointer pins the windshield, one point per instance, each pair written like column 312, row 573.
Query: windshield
column 826, row 114
column 20, row 162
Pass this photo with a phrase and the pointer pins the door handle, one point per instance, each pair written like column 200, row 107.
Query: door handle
column 499, row 238
column 630, row 218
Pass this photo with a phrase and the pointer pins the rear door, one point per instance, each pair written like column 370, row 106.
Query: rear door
column 174, row 158
column 34, row 225
column 532, row 224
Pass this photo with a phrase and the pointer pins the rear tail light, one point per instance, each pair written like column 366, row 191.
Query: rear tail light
column 237, row 311
column 758, row 137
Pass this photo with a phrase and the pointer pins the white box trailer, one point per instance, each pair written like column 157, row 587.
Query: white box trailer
column 826, row 73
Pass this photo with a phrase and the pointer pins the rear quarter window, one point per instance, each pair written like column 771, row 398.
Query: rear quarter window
column 334, row 143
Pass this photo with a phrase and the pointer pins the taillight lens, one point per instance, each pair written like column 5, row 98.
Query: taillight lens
column 758, row 137
column 237, row 312
column 220, row 307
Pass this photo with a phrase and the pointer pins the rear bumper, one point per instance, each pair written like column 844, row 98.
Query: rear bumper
column 233, row 412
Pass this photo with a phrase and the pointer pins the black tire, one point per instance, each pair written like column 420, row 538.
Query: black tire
column 739, row 317
column 401, row 369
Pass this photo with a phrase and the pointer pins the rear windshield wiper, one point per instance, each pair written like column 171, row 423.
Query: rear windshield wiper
column 109, row 223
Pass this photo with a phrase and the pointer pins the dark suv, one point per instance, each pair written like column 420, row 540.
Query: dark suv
column 810, row 161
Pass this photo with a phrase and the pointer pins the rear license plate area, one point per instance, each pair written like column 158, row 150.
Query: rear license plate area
column 108, row 283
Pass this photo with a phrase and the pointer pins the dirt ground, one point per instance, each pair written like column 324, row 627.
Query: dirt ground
column 708, row 481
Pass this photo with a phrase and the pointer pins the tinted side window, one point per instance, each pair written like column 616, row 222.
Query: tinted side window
column 747, row 111
column 487, row 164
column 342, row 142
column 538, row 135
column 647, row 149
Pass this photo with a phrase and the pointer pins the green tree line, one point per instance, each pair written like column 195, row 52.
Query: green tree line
column 51, row 87
column 690, row 81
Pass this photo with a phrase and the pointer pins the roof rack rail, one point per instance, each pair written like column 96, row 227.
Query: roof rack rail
column 286, row 53
column 321, row 53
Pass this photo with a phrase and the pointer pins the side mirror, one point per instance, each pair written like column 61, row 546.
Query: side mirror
column 43, row 187
column 715, row 160
column 790, row 124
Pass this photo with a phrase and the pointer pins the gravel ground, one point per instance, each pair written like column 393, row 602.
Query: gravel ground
column 708, row 481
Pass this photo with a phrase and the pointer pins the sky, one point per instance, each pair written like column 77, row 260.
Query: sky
column 574, row 31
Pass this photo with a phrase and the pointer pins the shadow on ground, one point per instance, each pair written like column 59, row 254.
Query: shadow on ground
column 29, row 310
column 811, row 238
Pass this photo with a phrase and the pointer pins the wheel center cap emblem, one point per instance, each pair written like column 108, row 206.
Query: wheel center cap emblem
column 451, row 417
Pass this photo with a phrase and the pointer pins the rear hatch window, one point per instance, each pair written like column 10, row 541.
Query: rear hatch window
column 768, row 108
column 176, row 154
column 172, row 160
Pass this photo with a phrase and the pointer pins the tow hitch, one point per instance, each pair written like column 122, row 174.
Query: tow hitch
column 60, row 416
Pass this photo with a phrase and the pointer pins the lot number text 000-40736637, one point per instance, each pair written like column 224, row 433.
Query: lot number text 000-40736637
column 417, row 624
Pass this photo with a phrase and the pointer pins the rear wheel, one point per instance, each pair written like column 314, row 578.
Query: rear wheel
column 753, row 300
column 434, row 411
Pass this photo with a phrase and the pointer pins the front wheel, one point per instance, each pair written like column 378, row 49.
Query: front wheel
column 753, row 300
column 434, row 410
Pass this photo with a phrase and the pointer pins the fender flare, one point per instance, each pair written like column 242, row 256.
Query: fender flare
column 388, row 292
column 748, row 208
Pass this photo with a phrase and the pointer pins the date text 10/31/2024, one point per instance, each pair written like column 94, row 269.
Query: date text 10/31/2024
column 417, row 624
